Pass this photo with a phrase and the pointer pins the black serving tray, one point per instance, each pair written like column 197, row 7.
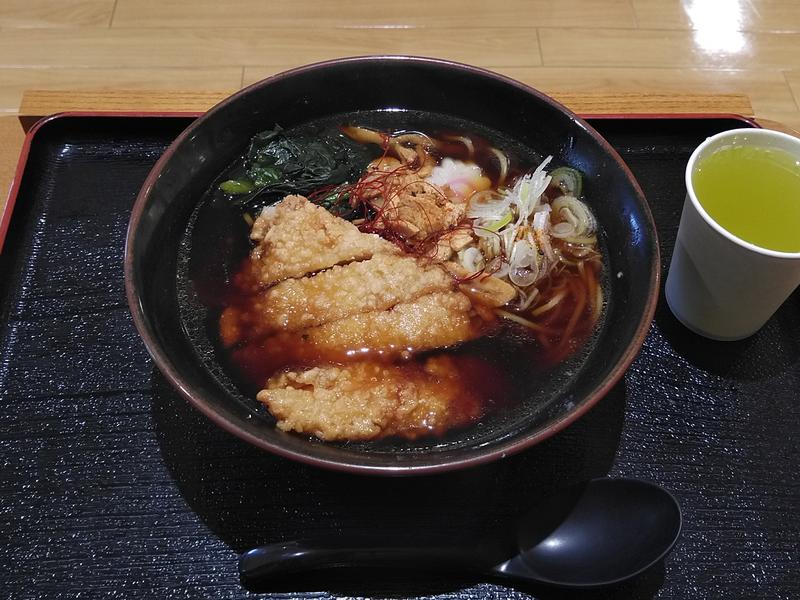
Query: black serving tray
column 113, row 486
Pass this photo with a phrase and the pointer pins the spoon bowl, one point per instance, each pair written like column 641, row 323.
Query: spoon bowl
column 598, row 533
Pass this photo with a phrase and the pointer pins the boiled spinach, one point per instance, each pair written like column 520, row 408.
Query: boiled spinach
column 278, row 162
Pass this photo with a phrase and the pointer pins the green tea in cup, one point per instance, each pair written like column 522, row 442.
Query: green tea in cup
column 753, row 192
column 737, row 253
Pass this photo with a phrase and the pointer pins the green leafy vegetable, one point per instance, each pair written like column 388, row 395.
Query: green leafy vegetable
column 336, row 201
column 278, row 163
column 263, row 176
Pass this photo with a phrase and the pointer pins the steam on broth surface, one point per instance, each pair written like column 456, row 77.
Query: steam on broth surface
column 402, row 282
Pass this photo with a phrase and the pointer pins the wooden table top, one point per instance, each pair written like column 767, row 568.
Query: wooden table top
column 39, row 103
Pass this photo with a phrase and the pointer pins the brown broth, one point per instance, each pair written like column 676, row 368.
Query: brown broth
column 571, row 322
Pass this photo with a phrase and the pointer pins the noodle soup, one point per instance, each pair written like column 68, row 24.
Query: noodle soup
column 514, row 236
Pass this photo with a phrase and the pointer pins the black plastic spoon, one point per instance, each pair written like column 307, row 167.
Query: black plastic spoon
column 596, row 534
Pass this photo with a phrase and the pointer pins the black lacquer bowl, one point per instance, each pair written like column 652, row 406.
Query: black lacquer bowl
column 157, row 285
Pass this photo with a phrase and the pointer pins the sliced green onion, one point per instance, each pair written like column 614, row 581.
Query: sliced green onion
column 568, row 180
column 498, row 225
column 237, row 186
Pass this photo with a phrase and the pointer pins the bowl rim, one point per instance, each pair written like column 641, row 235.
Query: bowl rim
column 502, row 450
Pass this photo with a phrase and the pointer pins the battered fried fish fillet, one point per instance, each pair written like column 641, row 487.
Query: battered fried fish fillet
column 358, row 287
column 296, row 237
column 363, row 401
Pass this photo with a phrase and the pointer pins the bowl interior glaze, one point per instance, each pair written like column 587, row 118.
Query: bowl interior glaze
column 196, row 159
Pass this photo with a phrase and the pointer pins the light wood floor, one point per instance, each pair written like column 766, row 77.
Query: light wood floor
column 749, row 46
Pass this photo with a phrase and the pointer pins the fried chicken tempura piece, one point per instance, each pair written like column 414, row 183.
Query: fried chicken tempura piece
column 367, row 400
column 406, row 203
column 434, row 321
column 358, row 287
column 296, row 237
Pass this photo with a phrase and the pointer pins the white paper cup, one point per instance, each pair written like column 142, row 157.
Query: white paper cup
column 719, row 285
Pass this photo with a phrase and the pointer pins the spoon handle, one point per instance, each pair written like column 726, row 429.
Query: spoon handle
column 281, row 560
